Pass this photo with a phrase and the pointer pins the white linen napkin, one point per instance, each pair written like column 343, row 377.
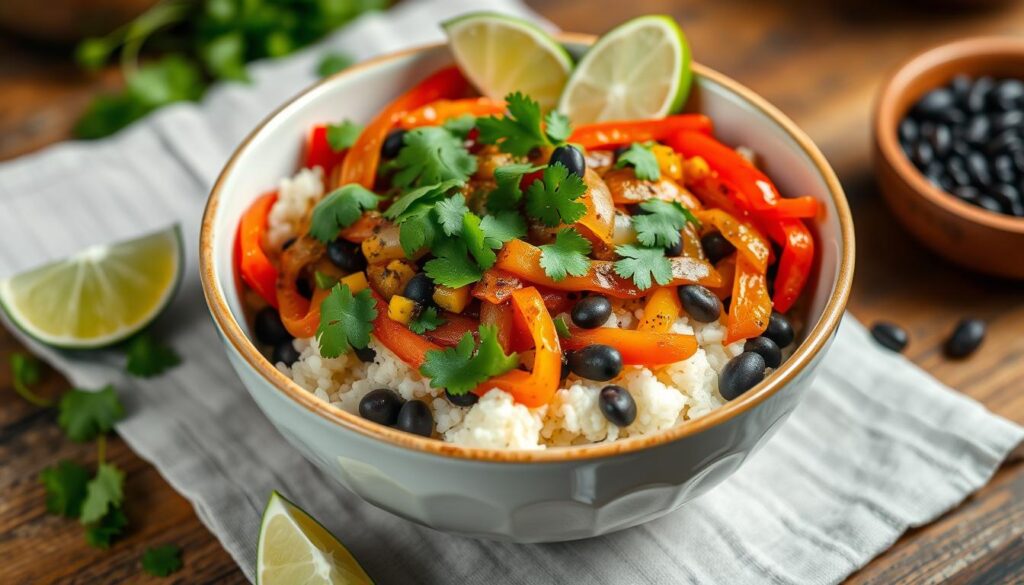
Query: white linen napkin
column 876, row 447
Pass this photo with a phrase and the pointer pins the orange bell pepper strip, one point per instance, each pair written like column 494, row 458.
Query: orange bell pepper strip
column 439, row 112
column 370, row 223
column 496, row 286
column 661, row 311
column 537, row 387
column 638, row 348
column 318, row 152
column 757, row 192
column 360, row 166
column 727, row 268
column 794, row 265
column 409, row 347
column 501, row 317
column 300, row 316
column 626, row 188
column 622, row 132
column 751, row 306
column 598, row 223
column 253, row 264
column 745, row 237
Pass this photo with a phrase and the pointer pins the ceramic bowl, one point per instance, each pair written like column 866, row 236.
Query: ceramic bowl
column 516, row 495
column 963, row 233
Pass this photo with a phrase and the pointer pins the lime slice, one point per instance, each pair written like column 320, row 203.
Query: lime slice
column 640, row 69
column 294, row 549
column 99, row 296
column 501, row 54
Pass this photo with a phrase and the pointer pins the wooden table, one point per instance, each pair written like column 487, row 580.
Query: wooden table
column 821, row 65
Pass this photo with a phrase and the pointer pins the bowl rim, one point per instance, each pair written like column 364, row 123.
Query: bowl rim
column 886, row 122
column 814, row 343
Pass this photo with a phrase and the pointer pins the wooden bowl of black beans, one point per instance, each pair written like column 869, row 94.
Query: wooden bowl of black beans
column 949, row 151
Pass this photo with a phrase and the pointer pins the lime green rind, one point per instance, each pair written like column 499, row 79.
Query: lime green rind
column 564, row 56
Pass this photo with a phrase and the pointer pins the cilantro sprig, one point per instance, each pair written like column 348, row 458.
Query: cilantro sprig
column 643, row 161
column 520, row 130
column 431, row 154
column 345, row 320
column 161, row 561
column 661, row 225
column 553, row 199
column 507, row 193
column 426, row 320
column 85, row 414
column 343, row 135
column 643, row 265
column 148, row 357
column 340, row 209
column 567, row 255
column 461, row 368
column 26, row 371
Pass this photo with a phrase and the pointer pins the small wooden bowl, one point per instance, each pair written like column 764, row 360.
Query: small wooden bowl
column 963, row 233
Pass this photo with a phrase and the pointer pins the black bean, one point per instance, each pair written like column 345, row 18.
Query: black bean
column 1005, row 141
column 939, row 137
column 979, row 129
column 966, row 338
column 988, row 203
column 935, row 102
column 890, row 335
column 674, row 250
column 967, row 193
column 596, row 362
column 566, row 370
column 304, row 288
column 908, row 130
column 571, row 158
column 591, row 312
column 961, row 147
column 1007, row 120
column 415, row 417
column 1008, row 94
column 419, row 289
column 779, row 330
column 268, row 327
column 346, row 255
column 922, row 154
column 1003, row 169
column 957, row 170
column 285, row 352
column 978, row 94
column 365, row 354
column 381, row 406
column 1006, row 195
column 952, row 116
column 393, row 144
column 617, row 405
column 716, row 247
column 742, row 373
column 467, row 399
column 767, row 348
column 700, row 303
column 977, row 168
column 1018, row 161
column 961, row 84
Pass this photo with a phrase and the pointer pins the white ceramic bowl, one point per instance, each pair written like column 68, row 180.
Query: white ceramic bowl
column 526, row 496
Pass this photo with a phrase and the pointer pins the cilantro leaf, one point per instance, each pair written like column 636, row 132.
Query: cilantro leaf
column 460, row 125
column 161, row 561
column 84, row 414
column 147, row 357
column 562, row 327
column 660, row 226
column 643, row 161
column 568, row 255
column 342, row 136
column 553, row 199
column 476, row 241
column 324, row 280
column 502, row 227
column 557, row 127
column 103, row 492
column 450, row 213
column 65, row 488
column 332, row 63
column 101, row 533
column 345, row 320
column 642, row 265
column 452, row 266
column 431, row 155
column 26, row 372
column 418, row 231
column 427, row 320
column 459, row 369
column 407, row 205
column 519, row 131
column 507, row 195
column 340, row 209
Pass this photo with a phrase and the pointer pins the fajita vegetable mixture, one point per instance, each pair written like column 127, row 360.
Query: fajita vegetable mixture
column 493, row 271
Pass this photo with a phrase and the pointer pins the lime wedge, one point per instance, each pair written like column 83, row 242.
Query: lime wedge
column 294, row 549
column 99, row 296
column 501, row 54
column 640, row 69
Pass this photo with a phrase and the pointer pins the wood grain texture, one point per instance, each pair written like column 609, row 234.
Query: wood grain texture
column 821, row 63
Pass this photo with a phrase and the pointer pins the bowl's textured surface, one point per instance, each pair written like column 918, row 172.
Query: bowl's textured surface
column 970, row 236
column 525, row 496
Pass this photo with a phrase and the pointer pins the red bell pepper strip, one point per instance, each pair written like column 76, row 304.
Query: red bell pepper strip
column 255, row 267
column 319, row 153
column 534, row 388
column 439, row 112
column 501, row 317
column 360, row 166
column 450, row 332
column 638, row 348
column 751, row 306
column 409, row 347
column 622, row 132
column 755, row 188
column 745, row 237
column 794, row 264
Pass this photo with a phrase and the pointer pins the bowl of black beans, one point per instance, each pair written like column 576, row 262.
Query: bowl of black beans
column 949, row 151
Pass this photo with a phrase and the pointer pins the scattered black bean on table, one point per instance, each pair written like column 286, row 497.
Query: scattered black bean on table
column 966, row 337
column 890, row 335
column 967, row 138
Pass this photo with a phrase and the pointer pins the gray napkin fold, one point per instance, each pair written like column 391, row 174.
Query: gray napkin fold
column 876, row 447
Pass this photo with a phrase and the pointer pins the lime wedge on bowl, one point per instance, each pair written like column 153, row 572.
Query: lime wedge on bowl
column 294, row 549
column 639, row 69
column 501, row 54
column 99, row 296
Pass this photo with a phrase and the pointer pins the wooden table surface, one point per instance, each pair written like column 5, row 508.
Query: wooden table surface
column 819, row 63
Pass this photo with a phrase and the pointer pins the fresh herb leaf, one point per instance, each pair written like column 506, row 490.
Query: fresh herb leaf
column 224, row 56
column 567, row 255
column 418, row 231
column 332, row 63
column 345, row 320
column 148, row 357
column 450, row 213
column 431, row 155
column 502, row 227
column 340, row 209
column 452, row 266
column 100, row 534
column 103, row 492
column 161, row 561
column 427, row 195
column 553, row 199
column 84, row 414
column 562, row 327
column 476, row 241
column 660, row 226
column 642, row 265
column 65, row 488
column 461, row 368
column 460, row 125
column 507, row 194
column 519, row 131
column 343, row 135
column 643, row 161
column 323, row 280
column 26, row 372
column 557, row 126
column 427, row 320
